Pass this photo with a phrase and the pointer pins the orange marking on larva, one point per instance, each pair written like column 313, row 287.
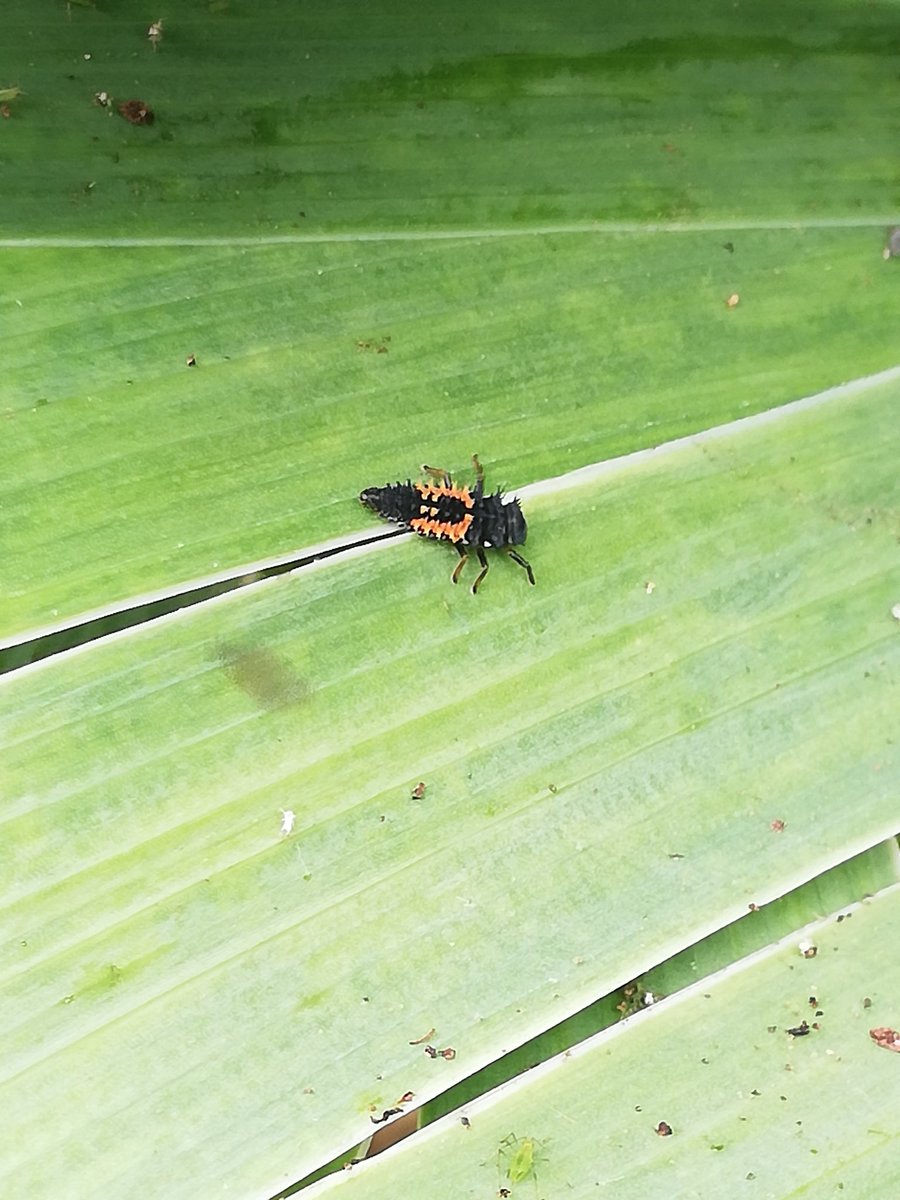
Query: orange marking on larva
column 427, row 527
column 437, row 492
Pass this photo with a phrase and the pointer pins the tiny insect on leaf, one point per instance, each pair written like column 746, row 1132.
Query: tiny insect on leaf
column 519, row 1156
column 522, row 1163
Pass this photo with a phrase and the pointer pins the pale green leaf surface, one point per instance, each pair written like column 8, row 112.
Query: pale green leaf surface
column 175, row 975
column 753, row 1110
column 130, row 473
column 833, row 890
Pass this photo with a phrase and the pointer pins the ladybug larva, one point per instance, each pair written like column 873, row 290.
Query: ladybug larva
column 448, row 511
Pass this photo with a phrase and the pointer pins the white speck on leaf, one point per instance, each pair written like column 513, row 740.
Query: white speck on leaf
column 287, row 821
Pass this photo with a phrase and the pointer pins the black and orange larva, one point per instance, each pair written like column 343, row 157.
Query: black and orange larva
column 449, row 511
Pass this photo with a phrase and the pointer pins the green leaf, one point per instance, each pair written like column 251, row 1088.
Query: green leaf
column 573, row 740
column 749, row 1105
column 278, row 119
column 552, row 237
column 539, row 361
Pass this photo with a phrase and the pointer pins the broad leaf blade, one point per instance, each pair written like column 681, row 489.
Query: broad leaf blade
column 749, row 1104
column 540, row 356
column 175, row 962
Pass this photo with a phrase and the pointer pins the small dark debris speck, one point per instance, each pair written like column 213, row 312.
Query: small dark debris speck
column 386, row 1115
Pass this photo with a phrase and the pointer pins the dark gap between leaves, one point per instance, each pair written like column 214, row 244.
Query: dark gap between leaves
column 44, row 646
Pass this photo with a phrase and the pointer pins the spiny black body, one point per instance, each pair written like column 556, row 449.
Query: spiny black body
column 447, row 511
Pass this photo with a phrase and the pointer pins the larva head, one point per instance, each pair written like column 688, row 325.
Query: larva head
column 516, row 528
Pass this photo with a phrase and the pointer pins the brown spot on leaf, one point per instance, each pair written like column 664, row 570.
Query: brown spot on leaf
column 263, row 675
column 137, row 112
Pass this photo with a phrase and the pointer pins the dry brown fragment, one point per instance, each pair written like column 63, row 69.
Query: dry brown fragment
column 425, row 1038
column 887, row 1038
column 418, row 791
column 137, row 112
column 664, row 1129
column 777, row 825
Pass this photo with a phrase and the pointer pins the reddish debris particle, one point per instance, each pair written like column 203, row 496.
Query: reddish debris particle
column 888, row 1039
column 448, row 1052
column 753, row 907
column 664, row 1129
column 418, row 791
column 137, row 112
column 777, row 825
column 405, row 1098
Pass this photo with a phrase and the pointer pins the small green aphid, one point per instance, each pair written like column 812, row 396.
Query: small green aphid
column 519, row 1156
